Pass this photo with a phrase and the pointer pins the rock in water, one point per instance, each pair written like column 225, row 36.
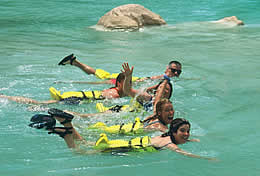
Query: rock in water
column 130, row 17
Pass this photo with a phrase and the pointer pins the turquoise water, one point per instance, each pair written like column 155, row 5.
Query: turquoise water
column 218, row 90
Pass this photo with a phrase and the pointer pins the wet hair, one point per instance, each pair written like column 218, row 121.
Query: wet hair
column 119, row 78
column 177, row 63
column 159, row 107
column 169, row 83
column 160, row 104
column 174, row 126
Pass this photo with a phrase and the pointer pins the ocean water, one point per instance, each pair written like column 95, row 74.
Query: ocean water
column 218, row 90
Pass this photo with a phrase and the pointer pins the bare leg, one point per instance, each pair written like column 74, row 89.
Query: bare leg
column 86, row 68
column 70, row 138
column 25, row 100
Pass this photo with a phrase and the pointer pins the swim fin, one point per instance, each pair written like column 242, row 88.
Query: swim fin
column 66, row 59
column 42, row 121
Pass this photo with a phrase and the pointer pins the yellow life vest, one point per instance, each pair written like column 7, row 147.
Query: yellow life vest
column 137, row 143
column 136, row 127
column 117, row 108
column 94, row 95
column 102, row 74
column 132, row 107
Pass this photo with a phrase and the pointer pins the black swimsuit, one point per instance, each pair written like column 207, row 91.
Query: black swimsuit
column 160, row 148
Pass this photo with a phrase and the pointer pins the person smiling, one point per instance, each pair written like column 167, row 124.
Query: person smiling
column 178, row 133
column 158, row 122
column 163, row 116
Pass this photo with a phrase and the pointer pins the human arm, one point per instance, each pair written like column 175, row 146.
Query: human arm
column 150, row 78
column 159, row 93
column 193, row 140
column 85, row 82
column 175, row 148
column 127, row 86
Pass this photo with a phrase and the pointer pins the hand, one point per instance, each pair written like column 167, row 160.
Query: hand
column 127, row 70
column 169, row 73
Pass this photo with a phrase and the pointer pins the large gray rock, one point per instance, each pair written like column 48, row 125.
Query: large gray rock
column 130, row 17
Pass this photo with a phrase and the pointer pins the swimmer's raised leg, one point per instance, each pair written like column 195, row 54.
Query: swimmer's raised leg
column 72, row 60
column 65, row 119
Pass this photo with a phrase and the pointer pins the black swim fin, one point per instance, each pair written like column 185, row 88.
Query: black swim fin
column 66, row 59
column 42, row 121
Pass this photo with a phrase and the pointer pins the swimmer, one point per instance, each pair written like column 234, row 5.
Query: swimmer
column 174, row 66
column 157, row 122
column 178, row 134
column 151, row 95
column 113, row 92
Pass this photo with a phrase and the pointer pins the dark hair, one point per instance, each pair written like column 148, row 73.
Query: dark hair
column 174, row 126
column 169, row 83
column 177, row 63
column 119, row 78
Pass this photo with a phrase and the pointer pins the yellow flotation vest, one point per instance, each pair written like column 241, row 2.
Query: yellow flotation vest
column 94, row 95
column 132, row 107
column 117, row 108
column 139, row 143
column 102, row 74
column 135, row 128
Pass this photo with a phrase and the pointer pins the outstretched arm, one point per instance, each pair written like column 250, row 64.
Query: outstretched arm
column 25, row 100
column 178, row 150
column 150, row 78
column 127, row 87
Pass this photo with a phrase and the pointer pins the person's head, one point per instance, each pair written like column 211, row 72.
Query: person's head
column 179, row 131
column 165, row 111
column 120, row 80
column 173, row 69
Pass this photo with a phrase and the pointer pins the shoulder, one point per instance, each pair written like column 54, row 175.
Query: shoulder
column 112, row 81
column 172, row 146
column 110, row 93
column 152, row 124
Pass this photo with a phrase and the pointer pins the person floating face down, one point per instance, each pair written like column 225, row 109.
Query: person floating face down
column 178, row 133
